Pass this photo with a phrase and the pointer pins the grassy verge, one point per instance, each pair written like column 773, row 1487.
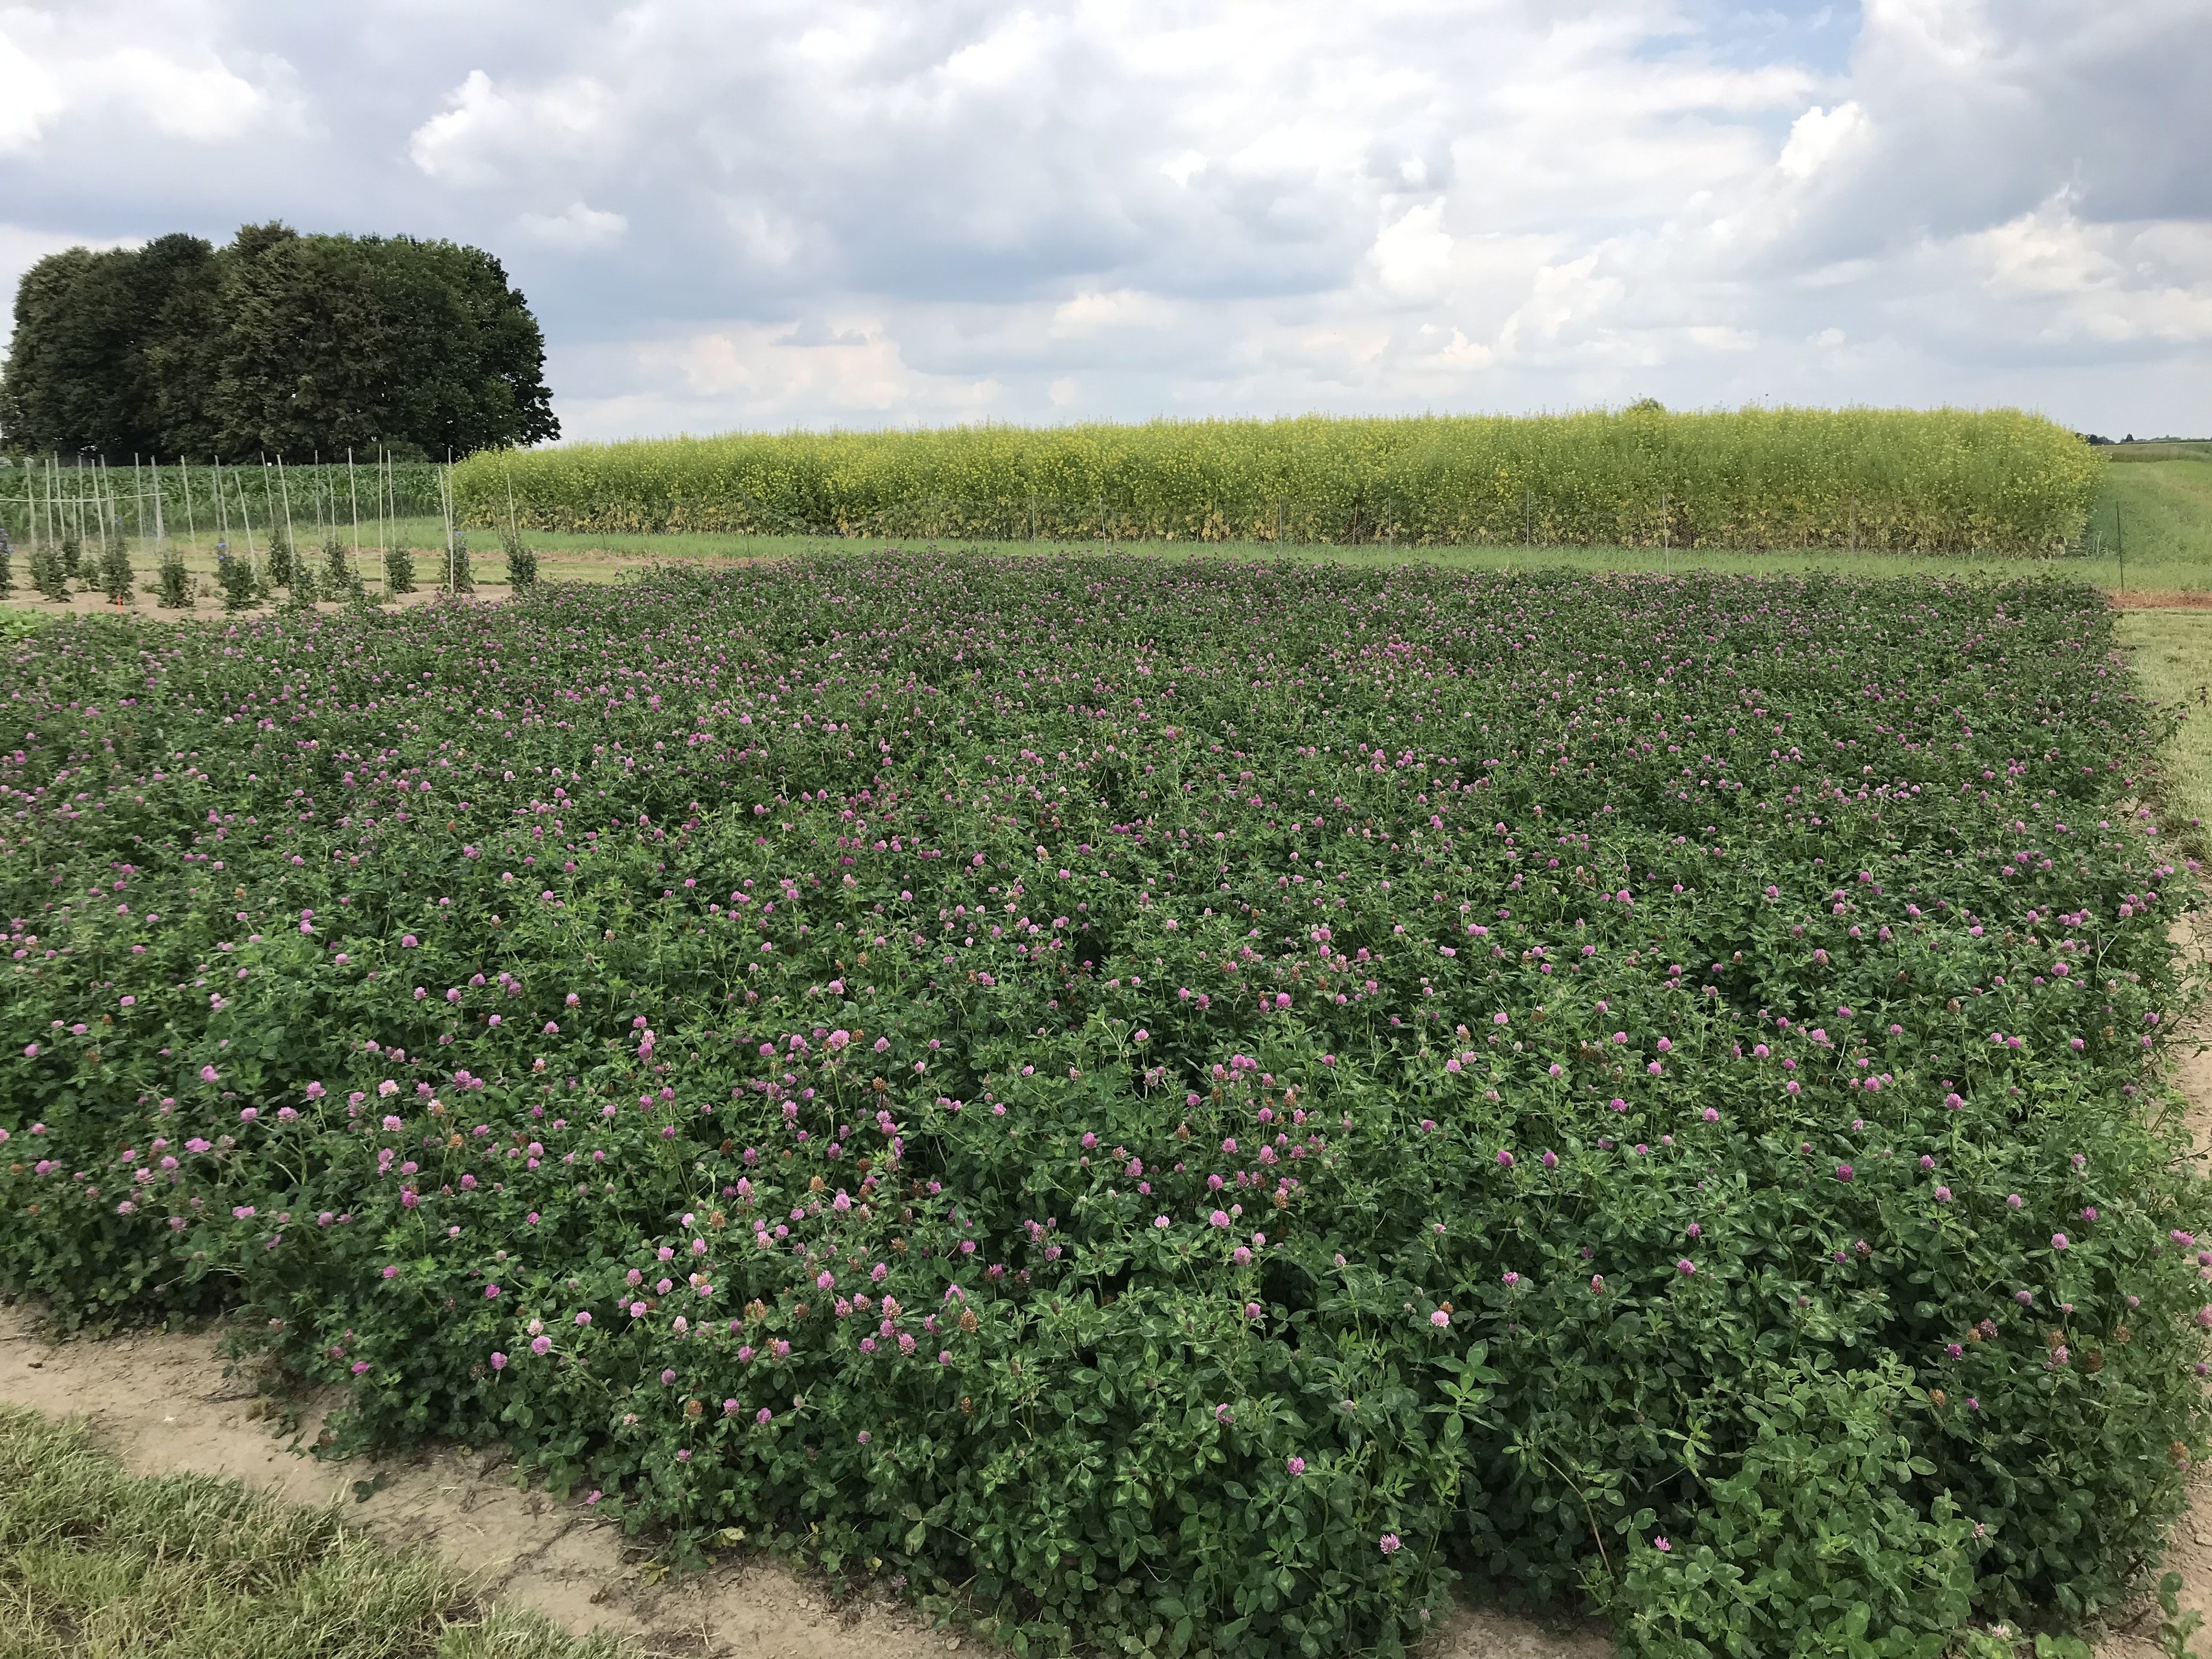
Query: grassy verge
column 2170, row 653
column 95, row 1562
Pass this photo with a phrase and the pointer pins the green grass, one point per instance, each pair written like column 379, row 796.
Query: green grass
column 97, row 1564
column 2171, row 651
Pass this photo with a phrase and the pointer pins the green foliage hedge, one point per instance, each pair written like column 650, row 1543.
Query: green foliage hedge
column 1897, row 480
column 1185, row 1105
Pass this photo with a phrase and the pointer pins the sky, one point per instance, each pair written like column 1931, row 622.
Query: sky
column 766, row 214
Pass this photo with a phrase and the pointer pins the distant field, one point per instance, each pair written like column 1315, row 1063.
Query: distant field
column 2171, row 449
column 2159, row 511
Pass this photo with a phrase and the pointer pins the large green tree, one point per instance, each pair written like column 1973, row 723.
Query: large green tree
column 89, row 328
column 278, row 343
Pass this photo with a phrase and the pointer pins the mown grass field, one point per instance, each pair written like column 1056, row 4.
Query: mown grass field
column 2159, row 512
column 2170, row 651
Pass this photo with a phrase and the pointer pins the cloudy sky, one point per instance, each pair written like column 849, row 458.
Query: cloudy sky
column 767, row 213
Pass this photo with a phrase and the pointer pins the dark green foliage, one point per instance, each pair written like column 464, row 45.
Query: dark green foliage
column 341, row 578
column 234, row 580
column 176, row 582
column 115, row 574
column 279, row 567
column 399, row 570
column 83, row 368
column 1184, row 1104
column 330, row 342
column 278, row 344
column 49, row 571
column 72, row 555
column 458, row 577
column 1815, row 1537
column 7, row 564
column 521, row 561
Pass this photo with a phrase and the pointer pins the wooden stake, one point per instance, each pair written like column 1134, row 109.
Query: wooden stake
column 191, row 524
column 246, row 517
column 292, row 539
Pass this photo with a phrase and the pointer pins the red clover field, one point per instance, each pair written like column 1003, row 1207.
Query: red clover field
column 1187, row 1106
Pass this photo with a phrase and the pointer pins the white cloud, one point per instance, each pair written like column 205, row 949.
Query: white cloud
column 30, row 97
column 487, row 133
column 57, row 64
column 1183, row 166
column 1125, row 307
column 761, row 376
column 1413, row 255
column 575, row 226
column 2092, row 282
column 1561, row 294
column 1818, row 135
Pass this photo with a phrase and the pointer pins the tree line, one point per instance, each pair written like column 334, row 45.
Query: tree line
column 276, row 344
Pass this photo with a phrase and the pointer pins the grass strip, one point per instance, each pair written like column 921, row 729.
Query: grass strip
column 96, row 1561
